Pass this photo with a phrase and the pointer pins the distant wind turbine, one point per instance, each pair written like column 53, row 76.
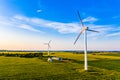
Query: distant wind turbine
column 48, row 44
column 84, row 29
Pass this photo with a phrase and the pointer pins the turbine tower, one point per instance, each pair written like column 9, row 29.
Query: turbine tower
column 84, row 29
column 48, row 44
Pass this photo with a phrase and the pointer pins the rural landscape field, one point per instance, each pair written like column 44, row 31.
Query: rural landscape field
column 59, row 39
column 101, row 66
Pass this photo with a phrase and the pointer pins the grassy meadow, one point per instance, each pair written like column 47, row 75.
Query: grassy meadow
column 102, row 66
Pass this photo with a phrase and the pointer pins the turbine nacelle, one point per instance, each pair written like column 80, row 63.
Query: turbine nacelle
column 85, row 28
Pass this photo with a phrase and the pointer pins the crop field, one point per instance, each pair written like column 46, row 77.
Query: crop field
column 34, row 66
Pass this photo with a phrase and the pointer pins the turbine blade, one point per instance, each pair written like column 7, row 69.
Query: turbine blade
column 78, row 36
column 92, row 30
column 80, row 19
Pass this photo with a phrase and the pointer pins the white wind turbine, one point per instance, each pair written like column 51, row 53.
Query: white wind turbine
column 48, row 44
column 84, row 29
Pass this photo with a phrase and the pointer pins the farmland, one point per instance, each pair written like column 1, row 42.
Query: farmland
column 34, row 66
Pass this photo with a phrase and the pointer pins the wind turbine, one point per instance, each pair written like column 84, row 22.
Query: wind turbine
column 84, row 29
column 48, row 44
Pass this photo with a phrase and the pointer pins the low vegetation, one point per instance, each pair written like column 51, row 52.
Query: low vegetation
column 34, row 66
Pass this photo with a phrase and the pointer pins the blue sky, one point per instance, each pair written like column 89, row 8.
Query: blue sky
column 28, row 24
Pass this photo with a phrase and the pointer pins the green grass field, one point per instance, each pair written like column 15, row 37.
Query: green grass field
column 102, row 66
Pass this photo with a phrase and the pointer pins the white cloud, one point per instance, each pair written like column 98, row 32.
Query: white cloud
column 19, row 17
column 28, row 27
column 64, row 28
column 114, row 34
column 39, row 10
column 59, row 26
column 90, row 19
column 17, row 21
column 105, row 31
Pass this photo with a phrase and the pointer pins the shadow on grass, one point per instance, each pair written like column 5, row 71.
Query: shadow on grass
column 106, row 64
column 101, row 63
